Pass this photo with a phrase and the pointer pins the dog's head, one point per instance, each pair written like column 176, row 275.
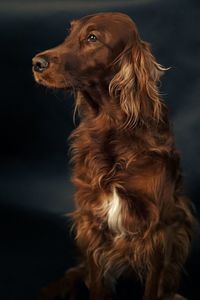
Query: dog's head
column 87, row 53
column 103, row 48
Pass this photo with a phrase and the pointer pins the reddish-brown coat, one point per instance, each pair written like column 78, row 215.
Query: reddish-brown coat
column 123, row 155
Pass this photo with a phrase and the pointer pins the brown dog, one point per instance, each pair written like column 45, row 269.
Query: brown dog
column 131, row 214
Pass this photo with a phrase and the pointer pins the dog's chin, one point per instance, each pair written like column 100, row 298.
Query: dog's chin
column 62, row 84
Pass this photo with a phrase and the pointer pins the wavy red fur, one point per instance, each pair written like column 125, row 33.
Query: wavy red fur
column 131, row 212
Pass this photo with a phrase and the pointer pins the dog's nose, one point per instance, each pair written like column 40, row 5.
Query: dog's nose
column 40, row 63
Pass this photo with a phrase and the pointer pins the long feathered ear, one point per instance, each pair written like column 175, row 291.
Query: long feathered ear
column 135, row 84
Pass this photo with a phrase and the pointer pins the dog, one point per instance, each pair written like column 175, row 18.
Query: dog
column 131, row 212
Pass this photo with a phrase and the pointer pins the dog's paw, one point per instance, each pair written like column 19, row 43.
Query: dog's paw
column 48, row 294
column 178, row 297
column 54, row 291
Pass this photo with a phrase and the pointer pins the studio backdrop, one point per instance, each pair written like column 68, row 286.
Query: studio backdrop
column 36, row 192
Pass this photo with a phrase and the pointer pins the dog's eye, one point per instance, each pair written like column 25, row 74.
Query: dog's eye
column 91, row 38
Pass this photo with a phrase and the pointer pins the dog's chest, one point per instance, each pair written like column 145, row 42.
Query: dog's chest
column 110, row 212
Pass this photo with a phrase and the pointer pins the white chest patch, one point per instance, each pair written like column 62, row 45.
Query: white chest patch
column 114, row 213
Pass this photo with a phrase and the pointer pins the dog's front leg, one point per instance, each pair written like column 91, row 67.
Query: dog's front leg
column 153, row 278
column 99, row 287
column 70, row 286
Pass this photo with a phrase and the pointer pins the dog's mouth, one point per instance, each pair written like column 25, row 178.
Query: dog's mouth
column 46, row 79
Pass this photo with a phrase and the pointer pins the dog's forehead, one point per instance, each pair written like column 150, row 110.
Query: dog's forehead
column 106, row 21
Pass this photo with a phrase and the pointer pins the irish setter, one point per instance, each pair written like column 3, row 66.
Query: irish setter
column 131, row 214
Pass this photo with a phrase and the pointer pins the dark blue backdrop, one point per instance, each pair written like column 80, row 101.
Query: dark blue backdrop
column 36, row 122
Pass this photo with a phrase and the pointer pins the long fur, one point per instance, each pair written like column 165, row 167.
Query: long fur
column 131, row 211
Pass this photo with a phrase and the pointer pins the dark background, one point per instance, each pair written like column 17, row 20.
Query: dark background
column 35, row 244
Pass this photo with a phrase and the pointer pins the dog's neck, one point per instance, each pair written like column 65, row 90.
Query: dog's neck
column 94, row 99
column 96, row 102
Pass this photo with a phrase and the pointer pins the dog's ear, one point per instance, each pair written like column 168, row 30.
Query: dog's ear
column 135, row 83
column 145, row 65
